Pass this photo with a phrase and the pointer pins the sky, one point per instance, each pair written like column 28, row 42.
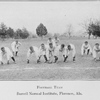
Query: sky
column 56, row 16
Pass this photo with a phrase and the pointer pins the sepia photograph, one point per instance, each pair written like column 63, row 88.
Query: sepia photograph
column 50, row 41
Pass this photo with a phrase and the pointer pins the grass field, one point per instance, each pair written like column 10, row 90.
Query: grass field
column 83, row 69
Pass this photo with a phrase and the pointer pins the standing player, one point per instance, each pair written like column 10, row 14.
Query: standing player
column 50, row 52
column 5, row 51
column 56, row 48
column 71, row 49
column 86, row 48
column 15, row 47
column 49, row 41
column 96, row 51
column 56, row 41
column 33, row 50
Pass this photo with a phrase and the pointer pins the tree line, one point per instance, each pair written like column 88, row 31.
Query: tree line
column 91, row 28
column 8, row 32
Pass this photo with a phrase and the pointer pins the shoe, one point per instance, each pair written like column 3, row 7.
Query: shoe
column 27, row 61
column 1, row 63
column 38, row 61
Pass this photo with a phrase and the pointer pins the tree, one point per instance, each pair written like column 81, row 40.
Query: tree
column 18, row 34
column 25, row 33
column 10, row 32
column 96, row 29
column 21, row 33
column 92, row 27
column 3, row 30
column 87, row 27
column 41, row 30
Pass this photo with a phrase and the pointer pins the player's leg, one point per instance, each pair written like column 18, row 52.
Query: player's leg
column 56, row 59
column 8, row 58
column 16, row 53
column 74, row 55
column 82, row 51
column 56, row 54
column 13, row 53
column 1, row 63
column 74, row 58
column 17, row 49
column 44, row 55
column 45, row 58
column 38, row 58
column 50, row 57
column 94, row 55
column 28, row 61
column 1, row 59
column 28, row 56
column 88, row 51
column 47, row 55
column 65, row 57
column 13, row 59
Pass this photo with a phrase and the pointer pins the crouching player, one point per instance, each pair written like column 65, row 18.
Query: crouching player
column 86, row 48
column 33, row 50
column 61, row 48
column 15, row 47
column 43, row 52
column 71, row 49
column 5, row 51
column 96, row 51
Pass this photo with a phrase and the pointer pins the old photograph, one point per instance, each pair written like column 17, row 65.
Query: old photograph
column 50, row 41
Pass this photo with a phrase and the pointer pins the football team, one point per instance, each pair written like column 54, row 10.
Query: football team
column 50, row 51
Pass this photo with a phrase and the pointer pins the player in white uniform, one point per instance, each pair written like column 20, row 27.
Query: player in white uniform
column 5, row 51
column 86, row 48
column 43, row 52
column 71, row 49
column 96, row 51
column 33, row 50
column 56, row 41
column 60, row 48
column 50, row 52
column 15, row 47
column 49, row 41
column 56, row 47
